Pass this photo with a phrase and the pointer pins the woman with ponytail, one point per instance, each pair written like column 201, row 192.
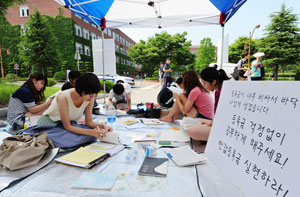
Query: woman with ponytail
column 212, row 80
column 28, row 101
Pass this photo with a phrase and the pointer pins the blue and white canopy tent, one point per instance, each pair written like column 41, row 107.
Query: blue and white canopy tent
column 155, row 13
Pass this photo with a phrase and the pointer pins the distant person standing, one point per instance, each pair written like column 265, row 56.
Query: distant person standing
column 167, row 73
column 256, row 67
column 161, row 73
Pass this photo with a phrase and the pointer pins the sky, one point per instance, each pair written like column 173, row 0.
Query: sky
column 252, row 13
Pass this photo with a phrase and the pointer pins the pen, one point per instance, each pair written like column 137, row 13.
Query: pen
column 141, row 121
column 169, row 155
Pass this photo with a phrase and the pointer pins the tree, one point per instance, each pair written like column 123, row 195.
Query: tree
column 35, row 46
column 9, row 40
column 158, row 48
column 205, row 54
column 282, row 43
column 242, row 45
column 4, row 4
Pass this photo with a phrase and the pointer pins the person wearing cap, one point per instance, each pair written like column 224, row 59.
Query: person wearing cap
column 256, row 67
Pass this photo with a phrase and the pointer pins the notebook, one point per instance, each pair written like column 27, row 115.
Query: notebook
column 95, row 180
column 82, row 158
column 153, row 166
column 184, row 156
column 174, row 136
column 103, row 147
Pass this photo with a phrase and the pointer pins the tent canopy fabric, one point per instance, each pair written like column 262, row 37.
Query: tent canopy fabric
column 154, row 13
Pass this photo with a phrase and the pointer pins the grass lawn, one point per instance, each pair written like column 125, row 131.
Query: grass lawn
column 7, row 89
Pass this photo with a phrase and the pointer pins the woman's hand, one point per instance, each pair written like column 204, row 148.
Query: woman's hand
column 175, row 95
column 107, row 128
column 99, row 133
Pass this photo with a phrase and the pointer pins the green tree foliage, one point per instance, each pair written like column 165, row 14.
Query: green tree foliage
column 36, row 49
column 9, row 40
column 4, row 4
column 82, row 68
column 156, row 49
column 89, row 67
column 242, row 45
column 205, row 54
column 282, row 43
column 62, row 30
column 10, row 69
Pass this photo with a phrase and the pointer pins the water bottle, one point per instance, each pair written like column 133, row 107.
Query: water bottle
column 27, row 122
column 131, row 155
column 111, row 114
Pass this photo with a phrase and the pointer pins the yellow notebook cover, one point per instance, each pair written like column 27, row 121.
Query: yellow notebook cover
column 82, row 156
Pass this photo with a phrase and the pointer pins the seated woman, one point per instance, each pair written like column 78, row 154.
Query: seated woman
column 194, row 102
column 212, row 80
column 59, row 120
column 27, row 101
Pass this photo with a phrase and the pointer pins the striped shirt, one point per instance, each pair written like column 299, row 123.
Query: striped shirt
column 22, row 99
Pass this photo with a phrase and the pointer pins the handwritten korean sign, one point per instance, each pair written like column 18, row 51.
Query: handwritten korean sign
column 255, row 137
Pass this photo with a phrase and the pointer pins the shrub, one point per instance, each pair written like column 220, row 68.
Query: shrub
column 60, row 76
column 11, row 77
column 51, row 82
column 108, row 85
column 297, row 76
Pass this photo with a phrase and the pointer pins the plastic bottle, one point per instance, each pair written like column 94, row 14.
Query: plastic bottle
column 131, row 155
column 27, row 123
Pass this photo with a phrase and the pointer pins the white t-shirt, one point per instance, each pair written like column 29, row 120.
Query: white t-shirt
column 121, row 97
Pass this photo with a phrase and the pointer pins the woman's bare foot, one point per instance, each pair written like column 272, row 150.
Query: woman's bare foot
column 167, row 119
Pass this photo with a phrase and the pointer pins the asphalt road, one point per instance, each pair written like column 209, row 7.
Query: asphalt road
column 143, row 91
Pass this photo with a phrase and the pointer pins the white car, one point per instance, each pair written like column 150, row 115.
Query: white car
column 117, row 78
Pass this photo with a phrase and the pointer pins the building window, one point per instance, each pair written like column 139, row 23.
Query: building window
column 114, row 35
column 87, row 50
column 94, row 25
column 86, row 34
column 109, row 32
column 24, row 11
column 117, row 37
column 86, row 21
column 78, row 31
column 78, row 16
column 94, row 36
column 79, row 48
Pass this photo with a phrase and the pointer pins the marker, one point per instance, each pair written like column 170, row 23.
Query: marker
column 169, row 155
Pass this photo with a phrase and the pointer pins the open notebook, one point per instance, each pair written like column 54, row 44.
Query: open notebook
column 184, row 156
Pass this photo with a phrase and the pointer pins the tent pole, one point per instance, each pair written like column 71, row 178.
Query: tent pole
column 102, row 37
column 222, row 47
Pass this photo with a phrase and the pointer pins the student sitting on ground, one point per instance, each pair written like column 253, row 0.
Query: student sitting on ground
column 60, row 119
column 194, row 102
column 27, row 101
column 120, row 96
column 165, row 96
column 73, row 76
column 212, row 80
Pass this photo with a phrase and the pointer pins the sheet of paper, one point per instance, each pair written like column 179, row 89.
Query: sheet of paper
column 82, row 156
column 174, row 136
column 112, row 137
column 95, row 180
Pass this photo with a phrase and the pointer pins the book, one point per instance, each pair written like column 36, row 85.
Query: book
column 188, row 122
column 151, row 121
column 184, row 156
column 112, row 137
column 103, row 147
column 153, row 166
column 95, row 180
column 82, row 158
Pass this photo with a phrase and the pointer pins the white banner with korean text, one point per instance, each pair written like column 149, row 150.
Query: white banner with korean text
column 255, row 137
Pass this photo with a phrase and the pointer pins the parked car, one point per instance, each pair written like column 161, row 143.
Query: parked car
column 117, row 78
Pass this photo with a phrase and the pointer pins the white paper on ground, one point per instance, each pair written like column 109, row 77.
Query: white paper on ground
column 174, row 136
